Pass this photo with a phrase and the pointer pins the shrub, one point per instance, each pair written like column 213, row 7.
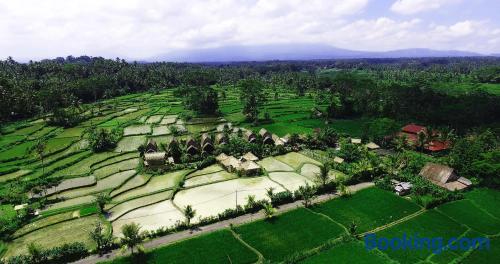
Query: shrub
column 101, row 139
column 62, row 254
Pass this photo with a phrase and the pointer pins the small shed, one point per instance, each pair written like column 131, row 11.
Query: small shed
column 151, row 146
column 155, row 158
column 355, row 140
column 338, row 160
column 249, row 156
column 402, row 188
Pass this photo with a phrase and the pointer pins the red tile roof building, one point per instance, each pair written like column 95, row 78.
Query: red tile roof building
column 411, row 131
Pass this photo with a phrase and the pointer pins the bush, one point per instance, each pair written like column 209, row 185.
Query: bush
column 101, row 139
column 63, row 254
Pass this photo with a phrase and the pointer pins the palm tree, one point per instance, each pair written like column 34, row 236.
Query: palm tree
column 269, row 210
column 189, row 213
column 131, row 236
column 40, row 151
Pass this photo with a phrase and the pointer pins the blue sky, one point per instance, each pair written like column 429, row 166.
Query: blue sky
column 34, row 29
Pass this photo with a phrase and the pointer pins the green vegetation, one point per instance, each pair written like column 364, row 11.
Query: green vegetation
column 369, row 209
column 216, row 247
column 467, row 213
column 64, row 232
column 95, row 125
column 352, row 252
column 428, row 224
column 286, row 234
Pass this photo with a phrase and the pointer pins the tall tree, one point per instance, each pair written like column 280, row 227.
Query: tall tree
column 253, row 97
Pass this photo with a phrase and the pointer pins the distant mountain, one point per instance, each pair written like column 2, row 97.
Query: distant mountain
column 294, row 52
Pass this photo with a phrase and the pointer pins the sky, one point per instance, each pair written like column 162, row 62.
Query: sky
column 133, row 29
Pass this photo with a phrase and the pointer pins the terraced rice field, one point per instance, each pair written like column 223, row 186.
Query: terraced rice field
column 137, row 181
column 150, row 217
column 212, row 199
column 137, row 130
column 207, row 170
column 161, row 130
column 155, row 184
column 154, row 119
column 290, row 180
column 55, row 235
column 295, row 160
column 209, row 178
column 130, row 143
column 130, row 205
column 108, row 170
column 271, row 164
column 107, row 183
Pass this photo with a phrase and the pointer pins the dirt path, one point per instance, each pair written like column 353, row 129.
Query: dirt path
column 168, row 239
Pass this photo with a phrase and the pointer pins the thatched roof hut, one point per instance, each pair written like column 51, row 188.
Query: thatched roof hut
column 277, row 140
column 221, row 139
column 250, row 168
column 267, row 138
column 151, row 146
column 250, row 136
column 206, row 143
column 191, row 146
column 249, row 156
column 155, row 158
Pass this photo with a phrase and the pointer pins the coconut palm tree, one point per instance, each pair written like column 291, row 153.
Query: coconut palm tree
column 269, row 210
column 131, row 236
column 189, row 213
column 40, row 151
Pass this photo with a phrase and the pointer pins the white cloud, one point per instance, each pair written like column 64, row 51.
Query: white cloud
column 33, row 29
column 407, row 7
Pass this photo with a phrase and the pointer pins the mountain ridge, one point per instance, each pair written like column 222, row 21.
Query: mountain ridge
column 235, row 53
